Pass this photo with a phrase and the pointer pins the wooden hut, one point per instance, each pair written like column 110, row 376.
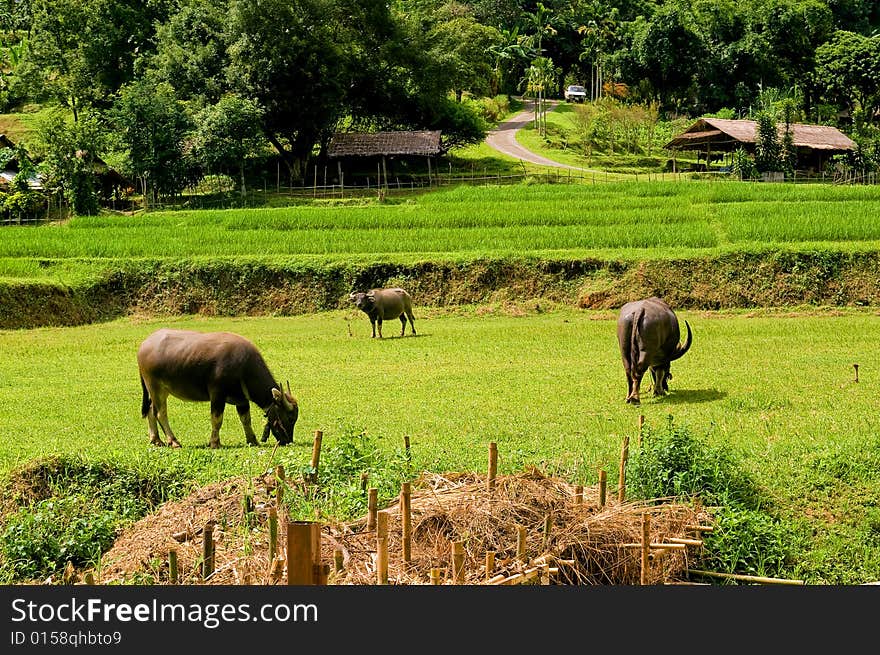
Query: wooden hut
column 815, row 144
column 362, row 153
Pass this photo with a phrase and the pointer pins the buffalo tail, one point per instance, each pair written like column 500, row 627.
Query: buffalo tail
column 146, row 402
column 681, row 349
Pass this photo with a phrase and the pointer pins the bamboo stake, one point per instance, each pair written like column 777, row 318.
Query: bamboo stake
column 382, row 548
column 493, row 465
column 548, row 526
column 458, row 562
column 856, row 367
column 641, row 426
column 646, row 541
column 490, row 563
column 372, row 508
column 276, row 570
column 208, row 550
column 746, row 578
column 406, row 446
column 521, row 543
column 661, row 545
column 602, row 487
column 435, row 576
column 338, row 560
column 700, row 528
column 579, row 494
column 365, row 477
column 172, row 566
column 687, row 542
column 279, row 485
column 300, row 552
column 624, row 455
column 316, row 456
column 406, row 520
column 273, row 534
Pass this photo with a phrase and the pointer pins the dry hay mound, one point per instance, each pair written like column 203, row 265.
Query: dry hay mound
column 586, row 544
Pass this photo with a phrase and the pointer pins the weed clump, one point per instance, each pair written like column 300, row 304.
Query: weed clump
column 748, row 537
column 66, row 509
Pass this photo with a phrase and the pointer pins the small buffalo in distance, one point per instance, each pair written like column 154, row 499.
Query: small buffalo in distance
column 648, row 336
column 385, row 305
column 217, row 367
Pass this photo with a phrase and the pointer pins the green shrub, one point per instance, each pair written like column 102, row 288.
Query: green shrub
column 747, row 538
column 40, row 540
column 749, row 542
column 673, row 463
column 342, row 492
column 65, row 509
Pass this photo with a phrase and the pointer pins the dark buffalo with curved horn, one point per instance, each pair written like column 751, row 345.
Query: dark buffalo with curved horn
column 648, row 335
column 217, row 367
column 385, row 305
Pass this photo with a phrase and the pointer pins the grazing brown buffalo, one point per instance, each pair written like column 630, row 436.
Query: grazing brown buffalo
column 385, row 304
column 220, row 367
column 648, row 335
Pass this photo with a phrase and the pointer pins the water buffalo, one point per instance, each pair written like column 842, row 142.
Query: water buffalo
column 648, row 335
column 385, row 304
column 220, row 367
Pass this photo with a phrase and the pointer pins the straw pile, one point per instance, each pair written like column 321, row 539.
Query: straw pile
column 585, row 544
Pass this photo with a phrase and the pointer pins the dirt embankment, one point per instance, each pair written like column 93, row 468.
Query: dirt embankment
column 236, row 288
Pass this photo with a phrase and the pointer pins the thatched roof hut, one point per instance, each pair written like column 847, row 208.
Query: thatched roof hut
column 814, row 143
column 360, row 151
column 421, row 143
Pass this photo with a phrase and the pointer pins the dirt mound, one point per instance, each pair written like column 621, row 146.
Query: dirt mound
column 538, row 527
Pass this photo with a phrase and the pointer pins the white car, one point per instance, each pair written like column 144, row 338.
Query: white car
column 575, row 93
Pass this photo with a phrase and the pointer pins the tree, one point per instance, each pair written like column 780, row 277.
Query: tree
column 151, row 126
column 511, row 51
column 191, row 50
column 287, row 59
column 768, row 150
column 228, row 135
column 69, row 151
column 81, row 51
column 848, row 71
column 671, row 52
column 461, row 50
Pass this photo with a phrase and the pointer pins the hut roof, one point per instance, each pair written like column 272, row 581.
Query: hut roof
column 361, row 144
column 726, row 134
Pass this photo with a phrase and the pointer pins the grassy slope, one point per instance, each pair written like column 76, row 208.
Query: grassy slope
column 547, row 387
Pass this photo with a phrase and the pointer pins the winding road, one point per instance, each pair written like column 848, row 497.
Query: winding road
column 503, row 138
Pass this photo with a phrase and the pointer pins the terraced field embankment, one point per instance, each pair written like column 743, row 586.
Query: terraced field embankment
column 233, row 287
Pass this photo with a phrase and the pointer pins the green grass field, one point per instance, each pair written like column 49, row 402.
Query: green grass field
column 547, row 387
column 630, row 220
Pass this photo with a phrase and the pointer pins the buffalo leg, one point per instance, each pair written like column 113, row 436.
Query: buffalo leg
column 217, row 407
column 244, row 414
column 379, row 321
column 160, row 407
column 402, row 324
column 153, row 427
column 659, row 375
column 373, row 323
column 633, row 398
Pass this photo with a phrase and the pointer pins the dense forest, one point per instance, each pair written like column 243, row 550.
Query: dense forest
column 170, row 90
